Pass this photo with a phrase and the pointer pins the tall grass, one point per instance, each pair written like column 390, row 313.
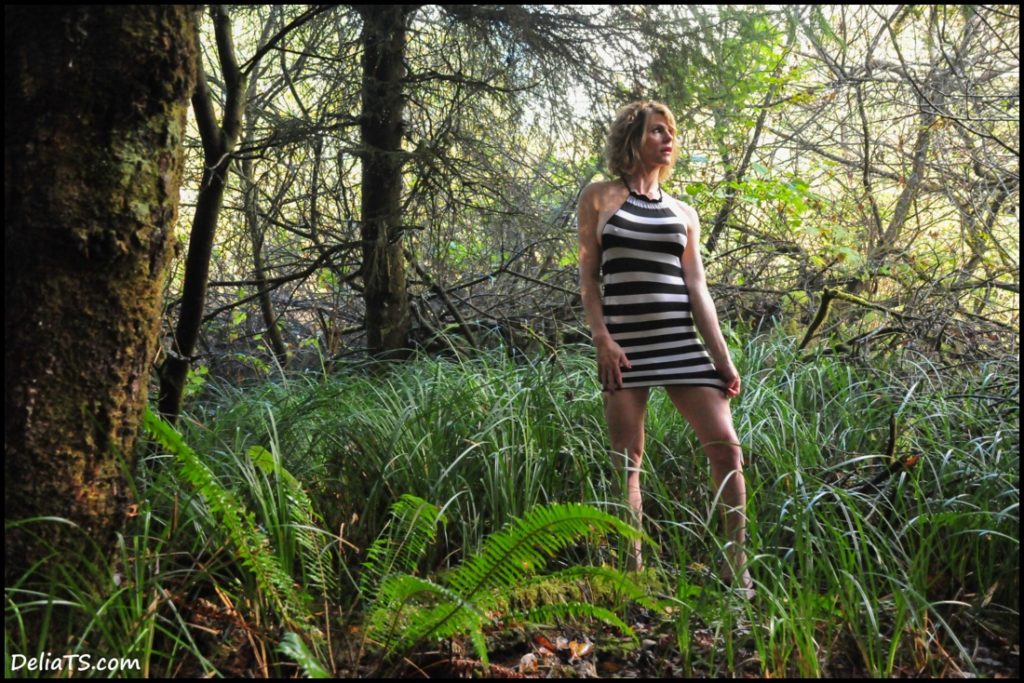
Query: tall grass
column 488, row 438
column 897, row 554
column 852, row 546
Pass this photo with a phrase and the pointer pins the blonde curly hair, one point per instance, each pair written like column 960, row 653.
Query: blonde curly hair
column 626, row 136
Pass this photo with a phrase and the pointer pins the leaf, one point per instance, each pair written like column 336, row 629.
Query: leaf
column 263, row 458
column 239, row 523
column 580, row 650
column 397, row 550
column 541, row 641
column 292, row 646
column 524, row 546
column 406, row 610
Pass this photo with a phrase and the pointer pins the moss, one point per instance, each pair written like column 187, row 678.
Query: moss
column 555, row 590
column 95, row 182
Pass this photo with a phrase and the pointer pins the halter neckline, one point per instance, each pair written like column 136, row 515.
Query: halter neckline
column 645, row 198
column 634, row 193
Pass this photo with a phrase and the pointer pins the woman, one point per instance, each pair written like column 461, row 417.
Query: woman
column 646, row 246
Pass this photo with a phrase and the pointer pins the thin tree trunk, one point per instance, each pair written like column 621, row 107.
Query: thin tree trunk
column 273, row 333
column 251, row 203
column 388, row 319
column 95, row 110
column 218, row 144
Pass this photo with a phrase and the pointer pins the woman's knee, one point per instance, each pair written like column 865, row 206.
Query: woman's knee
column 630, row 451
column 724, row 451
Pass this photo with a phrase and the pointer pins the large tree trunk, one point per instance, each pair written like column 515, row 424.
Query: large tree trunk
column 95, row 105
column 387, row 302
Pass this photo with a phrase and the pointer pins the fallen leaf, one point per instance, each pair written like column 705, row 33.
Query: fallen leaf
column 540, row 641
column 580, row 650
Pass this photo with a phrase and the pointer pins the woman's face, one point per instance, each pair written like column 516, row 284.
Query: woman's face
column 659, row 142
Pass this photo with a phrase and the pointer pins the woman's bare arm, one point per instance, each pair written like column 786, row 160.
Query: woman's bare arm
column 705, row 316
column 610, row 356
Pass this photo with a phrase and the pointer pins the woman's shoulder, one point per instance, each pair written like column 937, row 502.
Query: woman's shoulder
column 684, row 209
column 604, row 192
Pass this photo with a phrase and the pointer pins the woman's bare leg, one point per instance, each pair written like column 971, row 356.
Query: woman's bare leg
column 624, row 410
column 707, row 410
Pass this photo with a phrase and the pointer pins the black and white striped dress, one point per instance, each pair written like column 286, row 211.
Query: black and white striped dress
column 645, row 302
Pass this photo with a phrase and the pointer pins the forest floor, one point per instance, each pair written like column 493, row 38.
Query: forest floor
column 575, row 652
column 869, row 565
column 589, row 651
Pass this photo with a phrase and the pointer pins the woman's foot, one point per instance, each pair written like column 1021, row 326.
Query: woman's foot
column 735, row 565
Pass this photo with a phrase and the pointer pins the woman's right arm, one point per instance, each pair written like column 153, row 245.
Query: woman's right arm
column 610, row 356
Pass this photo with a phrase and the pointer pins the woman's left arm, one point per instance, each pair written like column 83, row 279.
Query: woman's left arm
column 704, row 314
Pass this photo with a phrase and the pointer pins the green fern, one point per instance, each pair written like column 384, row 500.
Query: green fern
column 399, row 547
column 251, row 543
column 304, row 519
column 604, row 581
column 292, row 646
column 408, row 610
column 572, row 611
column 521, row 548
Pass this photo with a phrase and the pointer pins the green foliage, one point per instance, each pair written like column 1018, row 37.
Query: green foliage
column 408, row 610
column 495, row 438
column 298, row 522
column 721, row 64
column 401, row 544
column 437, row 429
column 251, row 543
column 292, row 646
column 195, row 380
column 255, row 362
column 858, row 552
column 91, row 603
column 849, row 539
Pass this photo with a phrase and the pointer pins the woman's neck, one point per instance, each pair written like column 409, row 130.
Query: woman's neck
column 644, row 183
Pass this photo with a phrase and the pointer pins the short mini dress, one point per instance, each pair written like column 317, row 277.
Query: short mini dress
column 645, row 302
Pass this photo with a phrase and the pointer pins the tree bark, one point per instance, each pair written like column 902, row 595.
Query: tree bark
column 250, row 201
column 95, row 105
column 388, row 319
column 263, row 288
column 218, row 144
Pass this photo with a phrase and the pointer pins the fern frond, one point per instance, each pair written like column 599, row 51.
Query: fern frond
column 251, row 543
column 525, row 545
column 609, row 578
column 303, row 518
column 308, row 524
column 575, row 611
column 476, row 636
column 292, row 646
column 409, row 609
column 315, row 543
column 398, row 549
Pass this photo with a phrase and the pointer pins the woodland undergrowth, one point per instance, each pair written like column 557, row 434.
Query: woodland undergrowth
column 375, row 518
